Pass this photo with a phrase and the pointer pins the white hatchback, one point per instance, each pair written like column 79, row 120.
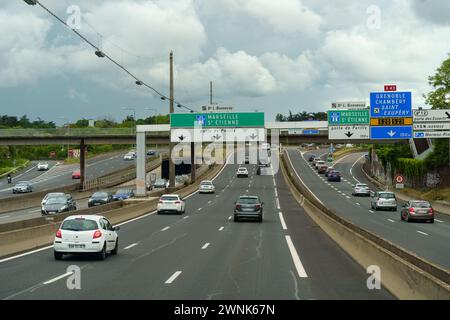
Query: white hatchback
column 171, row 203
column 86, row 234
column 242, row 172
column 206, row 186
column 42, row 166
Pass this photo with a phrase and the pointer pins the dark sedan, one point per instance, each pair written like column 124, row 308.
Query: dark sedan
column 248, row 207
column 58, row 205
column 334, row 176
column 312, row 157
column 123, row 194
column 100, row 198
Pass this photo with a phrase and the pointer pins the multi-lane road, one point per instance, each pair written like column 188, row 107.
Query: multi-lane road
column 203, row 254
column 430, row 241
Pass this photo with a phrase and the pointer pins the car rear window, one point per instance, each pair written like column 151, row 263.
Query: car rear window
column 79, row 225
column 420, row 204
column 248, row 200
column 60, row 200
column 169, row 198
column 387, row 195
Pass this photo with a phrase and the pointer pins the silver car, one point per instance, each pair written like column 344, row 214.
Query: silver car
column 361, row 189
column 383, row 200
column 22, row 187
column 206, row 186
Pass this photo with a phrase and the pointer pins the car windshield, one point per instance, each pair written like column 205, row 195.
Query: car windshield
column 387, row 195
column 59, row 200
column 420, row 204
column 248, row 200
column 100, row 195
column 362, row 186
column 169, row 198
column 79, row 225
column 122, row 191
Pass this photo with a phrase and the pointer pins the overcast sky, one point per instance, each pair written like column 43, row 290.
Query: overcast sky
column 273, row 56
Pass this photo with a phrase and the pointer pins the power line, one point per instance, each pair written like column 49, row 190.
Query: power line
column 102, row 54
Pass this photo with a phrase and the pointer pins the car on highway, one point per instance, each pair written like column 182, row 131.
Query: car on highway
column 171, row 203
column 91, row 234
column 361, row 189
column 161, row 183
column 334, row 176
column 264, row 160
column 322, row 168
column 315, row 160
column 383, row 200
column 248, row 207
column 57, row 205
column 52, row 195
column 247, row 160
column 417, row 210
column 22, row 187
column 129, row 156
column 312, row 157
column 76, row 174
column 206, row 186
column 319, row 163
column 123, row 194
column 42, row 166
column 329, row 169
column 100, row 198
column 151, row 152
column 242, row 172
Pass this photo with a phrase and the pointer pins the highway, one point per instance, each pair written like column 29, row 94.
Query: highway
column 203, row 254
column 430, row 241
column 60, row 175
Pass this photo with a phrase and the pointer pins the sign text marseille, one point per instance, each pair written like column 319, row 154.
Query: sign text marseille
column 217, row 120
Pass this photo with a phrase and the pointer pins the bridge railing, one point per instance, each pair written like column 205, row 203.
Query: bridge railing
column 72, row 132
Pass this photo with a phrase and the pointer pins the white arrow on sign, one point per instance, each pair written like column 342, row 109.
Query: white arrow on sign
column 391, row 133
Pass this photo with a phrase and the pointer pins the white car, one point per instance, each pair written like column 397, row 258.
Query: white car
column 319, row 164
column 242, row 172
column 171, row 203
column 42, row 166
column 86, row 234
column 361, row 189
column 206, row 186
column 384, row 200
column 129, row 156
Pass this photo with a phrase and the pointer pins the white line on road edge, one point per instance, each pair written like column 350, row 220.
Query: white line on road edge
column 165, row 229
column 173, row 277
column 425, row 234
column 391, row 220
column 221, row 228
column 283, row 223
column 3, row 217
column 58, row 278
column 351, row 169
column 26, row 254
column 206, row 245
column 439, row 220
column 298, row 264
column 278, row 203
column 276, row 192
column 130, row 246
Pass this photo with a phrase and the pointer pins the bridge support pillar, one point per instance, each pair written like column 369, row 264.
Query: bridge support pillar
column 82, row 164
column 193, row 162
column 140, row 165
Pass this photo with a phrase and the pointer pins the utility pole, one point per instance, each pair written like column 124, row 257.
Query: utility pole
column 171, row 164
column 210, row 93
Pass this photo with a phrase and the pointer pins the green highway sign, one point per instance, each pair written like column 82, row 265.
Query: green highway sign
column 217, row 120
column 340, row 117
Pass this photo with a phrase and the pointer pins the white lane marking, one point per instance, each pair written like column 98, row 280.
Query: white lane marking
column 206, row 245
column 391, row 220
column 130, row 246
column 3, row 217
column 217, row 195
column 358, row 204
column 246, row 191
column 33, row 211
column 173, row 277
column 209, row 202
column 439, row 220
column 26, row 254
column 283, row 223
column 276, row 192
column 348, row 197
column 371, row 211
column 199, row 209
column 166, row 228
column 229, row 218
column 351, row 169
column 58, row 278
column 221, row 228
column 295, row 257
column 278, row 203
column 186, row 217
column 425, row 234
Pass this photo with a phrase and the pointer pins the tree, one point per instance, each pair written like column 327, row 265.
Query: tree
column 439, row 98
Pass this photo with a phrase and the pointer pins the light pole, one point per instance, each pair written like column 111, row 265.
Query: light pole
column 134, row 118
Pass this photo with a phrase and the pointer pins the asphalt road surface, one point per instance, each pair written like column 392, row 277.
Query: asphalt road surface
column 430, row 241
column 203, row 254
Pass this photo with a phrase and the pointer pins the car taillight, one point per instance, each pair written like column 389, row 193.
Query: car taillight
column 257, row 206
column 411, row 210
column 161, row 202
column 430, row 211
column 177, row 202
column 58, row 234
column 238, row 207
column 97, row 234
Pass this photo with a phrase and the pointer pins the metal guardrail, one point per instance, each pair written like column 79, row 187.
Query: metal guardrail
column 73, row 132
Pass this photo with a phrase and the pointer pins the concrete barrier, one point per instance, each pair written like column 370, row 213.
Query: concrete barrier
column 403, row 273
column 32, row 237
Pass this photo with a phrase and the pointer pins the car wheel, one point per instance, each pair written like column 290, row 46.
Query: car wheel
column 57, row 255
column 408, row 218
column 260, row 219
column 157, row 212
column 116, row 248
column 236, row 219
column 102, row 254
column 431, row 220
